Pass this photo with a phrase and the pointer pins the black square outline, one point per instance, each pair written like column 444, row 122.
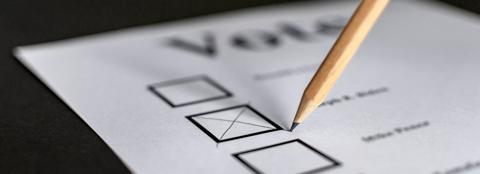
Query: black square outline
column 214, row 138
column 334, row 162
column 185, row 80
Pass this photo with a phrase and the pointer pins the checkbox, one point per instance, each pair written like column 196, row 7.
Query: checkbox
column 233, row 123
column 293, row 156
column 188, row 91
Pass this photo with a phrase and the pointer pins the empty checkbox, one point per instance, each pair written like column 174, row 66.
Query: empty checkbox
column 293, row 156
column 187, row 91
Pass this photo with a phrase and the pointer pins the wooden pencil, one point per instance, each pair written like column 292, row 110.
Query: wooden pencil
column 342, row 51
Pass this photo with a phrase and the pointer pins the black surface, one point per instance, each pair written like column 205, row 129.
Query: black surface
column 38, row 132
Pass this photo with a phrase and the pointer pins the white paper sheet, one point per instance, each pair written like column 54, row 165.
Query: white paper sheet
column 213, row 94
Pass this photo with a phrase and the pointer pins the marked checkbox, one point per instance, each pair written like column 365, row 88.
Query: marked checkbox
column 188, row 91
column 233, row 123
column 293, row 156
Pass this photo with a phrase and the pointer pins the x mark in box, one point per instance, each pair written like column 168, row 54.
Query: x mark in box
column 233, row 123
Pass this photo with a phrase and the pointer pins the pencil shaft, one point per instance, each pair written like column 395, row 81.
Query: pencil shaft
column 342, row 51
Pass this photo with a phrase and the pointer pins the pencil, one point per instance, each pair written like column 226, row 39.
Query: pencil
column 342, row 51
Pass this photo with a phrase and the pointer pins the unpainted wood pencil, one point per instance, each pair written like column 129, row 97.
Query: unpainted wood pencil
column 342, row 51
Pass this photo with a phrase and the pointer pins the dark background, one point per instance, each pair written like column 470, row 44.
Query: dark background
column 38, row 132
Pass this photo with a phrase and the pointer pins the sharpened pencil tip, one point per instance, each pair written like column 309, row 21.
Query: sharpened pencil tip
column 293, row 126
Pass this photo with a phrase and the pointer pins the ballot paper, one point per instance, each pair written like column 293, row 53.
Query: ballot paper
column 215, row 94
